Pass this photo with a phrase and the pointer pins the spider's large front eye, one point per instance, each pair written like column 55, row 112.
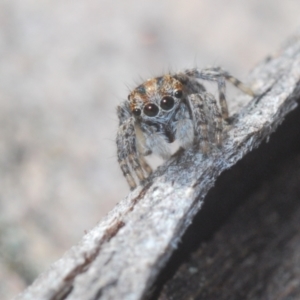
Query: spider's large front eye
column 136, row 112
column 151, row 110
column 167, row 103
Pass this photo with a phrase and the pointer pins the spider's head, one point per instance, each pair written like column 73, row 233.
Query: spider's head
column 156, row 98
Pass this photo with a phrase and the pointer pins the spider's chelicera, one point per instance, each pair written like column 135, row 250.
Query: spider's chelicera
column 168, row 108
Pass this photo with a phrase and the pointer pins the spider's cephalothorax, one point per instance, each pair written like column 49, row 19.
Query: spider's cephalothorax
column 168, row 108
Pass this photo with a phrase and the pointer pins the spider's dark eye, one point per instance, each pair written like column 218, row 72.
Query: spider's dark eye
column 151, row 110
column 137, row 112
column 178, row 94
column 167, row 103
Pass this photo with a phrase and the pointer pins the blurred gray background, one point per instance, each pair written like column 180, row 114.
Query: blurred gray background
column 64, row 67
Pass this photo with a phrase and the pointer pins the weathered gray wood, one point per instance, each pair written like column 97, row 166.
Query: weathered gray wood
column 121, row 257
column 255, row 254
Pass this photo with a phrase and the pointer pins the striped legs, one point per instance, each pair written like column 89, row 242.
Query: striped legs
column 218, row 75
column 207, row 120
column 130, row 161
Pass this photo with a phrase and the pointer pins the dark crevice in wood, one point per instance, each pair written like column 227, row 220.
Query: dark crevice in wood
column 64, row 292
column 100, row 291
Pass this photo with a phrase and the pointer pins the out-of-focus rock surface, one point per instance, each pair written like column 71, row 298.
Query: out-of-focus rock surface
column 64, row 66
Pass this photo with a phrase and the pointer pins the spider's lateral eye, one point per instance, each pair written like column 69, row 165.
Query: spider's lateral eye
column 178, row 94
column 167, row 103
column 136, row 112
column 151, row 110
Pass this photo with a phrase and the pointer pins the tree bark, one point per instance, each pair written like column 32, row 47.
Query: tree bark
column 122, row 257
column 255, row 254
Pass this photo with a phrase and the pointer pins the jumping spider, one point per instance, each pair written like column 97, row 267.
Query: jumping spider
column 168, row 108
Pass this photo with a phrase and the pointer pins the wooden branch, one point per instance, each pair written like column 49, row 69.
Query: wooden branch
column 255, row 253
column 123, row 255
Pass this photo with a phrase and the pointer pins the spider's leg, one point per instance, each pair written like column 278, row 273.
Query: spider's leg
column 219, row 75
column 128, row 156
column 143, row 150
column 145, row 165
column 123, row 112
column 216, row 118
column 236, row 82
column 213, row 74
column 240, row 85
column 222, row 97
column 196, row 103
column 190, row 83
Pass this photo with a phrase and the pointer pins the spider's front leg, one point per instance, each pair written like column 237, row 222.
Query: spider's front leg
column 199, row 117
column 207, row 120
column 215, row 117
column 130, row 160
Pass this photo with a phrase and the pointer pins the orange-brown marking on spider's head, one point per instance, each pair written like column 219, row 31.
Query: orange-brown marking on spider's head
column 154, row 88
column 167, row 85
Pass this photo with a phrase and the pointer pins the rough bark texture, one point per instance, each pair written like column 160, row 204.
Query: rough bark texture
column 256, row 254
column 123, row 255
